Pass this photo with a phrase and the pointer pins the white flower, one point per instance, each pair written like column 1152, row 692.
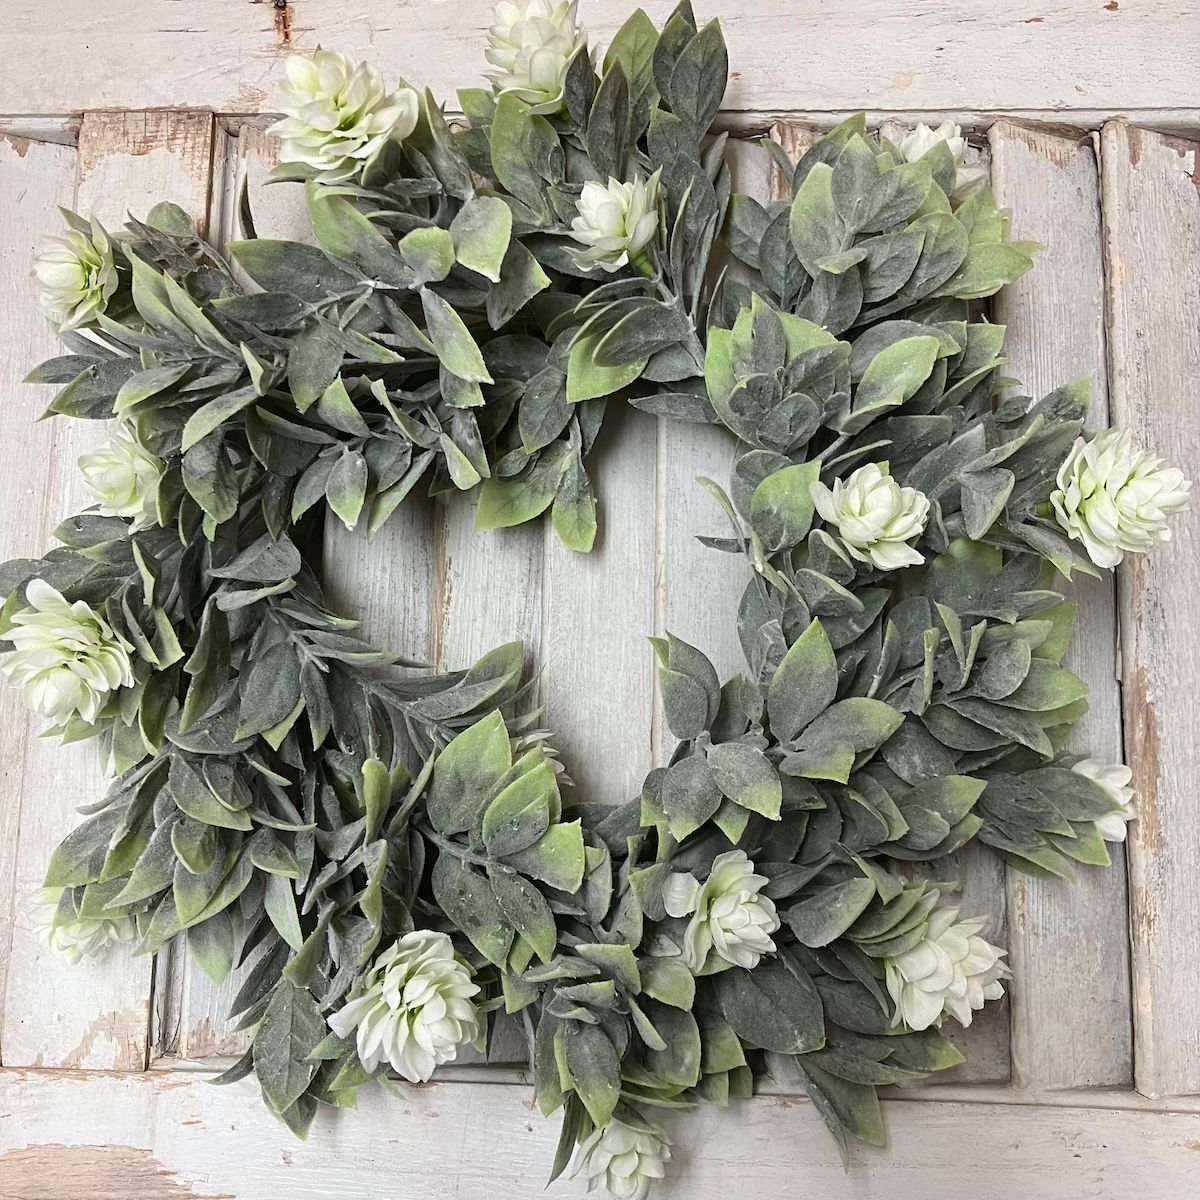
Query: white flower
column 413, row 1008
column 951, row 971
column 340, row 114
column 875, row 516
column 616, row 223
column 623, row 1158
column 74, row 936
column 75, row 276
column 123, row 476
column 1115, row 498
column 531, row 45
column 66, row 657
column 921, row 140
column 731, row 923
column 1114, row 779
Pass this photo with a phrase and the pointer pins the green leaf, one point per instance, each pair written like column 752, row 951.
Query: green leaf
column 594, row 1069
column 526, row 910
column 818, row 230
column 209, row 416
column 556, row 858
column 280, row 905
column 828, row 912
column 456, row 348
column 481, row 232
column 588, row 380
column 291, row 1027
column 781, row 508
column 349, row 236
column 522, row 812
column 746, row 776
column 429, row 253
column 346, row 489
column 211, row 944
column 507, row 502
column 526, row 154
column 467, row 898
column 466, row 774
column 804, row 684
column 772, row 1007
column 668, row 980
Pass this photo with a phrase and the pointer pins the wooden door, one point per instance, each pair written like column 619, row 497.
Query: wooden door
column 1084, row 1081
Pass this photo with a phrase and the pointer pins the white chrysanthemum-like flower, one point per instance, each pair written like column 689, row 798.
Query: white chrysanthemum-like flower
column 340, row 114
column 875, row 516
column 74, row 936
column 67, row 659
column 951, row 971
column 413, row 1009
column 918, row 143
column 730, row 921
column 76, row 276
column 616, row 222
column 624, row 1159
column 1114, row 779
column 531, row 44
column 123, row 476
column 1115, row 498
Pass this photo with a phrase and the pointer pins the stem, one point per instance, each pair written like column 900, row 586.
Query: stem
column 461, row 852
column 641, row 263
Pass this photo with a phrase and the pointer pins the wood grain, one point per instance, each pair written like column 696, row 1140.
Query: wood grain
column 451, row 1140
column 1057, row 58
column 1068, row 944
column 55, row 1015
column 34, row 177
column 1152, row 261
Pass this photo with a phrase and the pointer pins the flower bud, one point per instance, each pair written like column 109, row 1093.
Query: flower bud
column 875, row 516
column 66, row 658
column 951, row 971
column 1114, row 779
column 72, row 935
column 123, row 476
column 616, row 222
column 413, row 1008
column 531, row 45
column 339, row 114
column 920, row 141
column 1115, row 498
column 76, row 276
column 623, row 1158
column 731, row 922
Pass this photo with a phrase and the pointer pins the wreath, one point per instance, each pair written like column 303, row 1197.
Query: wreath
column 389, row 853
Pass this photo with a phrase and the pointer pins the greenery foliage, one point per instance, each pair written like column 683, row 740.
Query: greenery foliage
column 290, row 799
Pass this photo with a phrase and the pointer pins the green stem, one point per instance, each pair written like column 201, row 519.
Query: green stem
column 641, row 263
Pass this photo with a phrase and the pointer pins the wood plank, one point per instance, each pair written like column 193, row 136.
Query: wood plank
column 1152, row 265
column 598, row 609
column 1058, row 58
column 699, row 589
column 34, row 178
column 94, row 1016
column 90, row 1136
column 1068, row 944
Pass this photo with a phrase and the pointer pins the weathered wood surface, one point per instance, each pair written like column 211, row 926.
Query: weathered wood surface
column 1060, row 57
column 55, row 1015
column 1068, row 943
column 34, row 177
column 1152, row 240
column 183, row 1138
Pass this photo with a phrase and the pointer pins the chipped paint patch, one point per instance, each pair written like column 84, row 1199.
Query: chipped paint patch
column 902, row 80
column 55, row 1171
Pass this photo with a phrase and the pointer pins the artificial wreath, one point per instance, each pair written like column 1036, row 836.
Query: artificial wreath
column 390, row 855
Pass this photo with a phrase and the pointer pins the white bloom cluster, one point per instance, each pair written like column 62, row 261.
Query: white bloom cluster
column 920, row 141
column 123, row 476
column 76, row 276
column 75, row 936
column 731, row 922
column 1115, row 498
column 66, row 659
column 616, row 222
column 623, row 1158
column 1114, row 779
column 531, row 45
column 950, row 972
column 339, row 114
column 875, row 516
column 413, row 1008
